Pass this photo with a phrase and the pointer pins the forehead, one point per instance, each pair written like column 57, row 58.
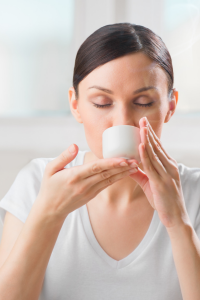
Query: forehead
column 133, row 71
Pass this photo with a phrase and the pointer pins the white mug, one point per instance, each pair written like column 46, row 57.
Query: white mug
column 121, row 141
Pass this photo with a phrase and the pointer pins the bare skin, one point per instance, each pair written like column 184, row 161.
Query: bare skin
column 121, row 214
column 115, row 210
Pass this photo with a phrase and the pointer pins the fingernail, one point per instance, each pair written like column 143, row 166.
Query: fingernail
column 133, row 170
column 133, row 165
column 72, row 149
column 123, row 164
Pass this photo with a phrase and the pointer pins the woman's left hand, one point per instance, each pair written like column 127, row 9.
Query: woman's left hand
column 161, row 181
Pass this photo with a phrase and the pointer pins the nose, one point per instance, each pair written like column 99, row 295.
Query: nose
column 124, row 116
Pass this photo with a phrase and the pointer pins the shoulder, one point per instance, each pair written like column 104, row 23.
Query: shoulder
column 190, row 182
column 35, row 168
column 22, row 194
column 28, row 180
column 189, row 175
column 25, row 188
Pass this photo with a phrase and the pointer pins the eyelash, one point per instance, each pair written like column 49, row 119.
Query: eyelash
column 102, row 106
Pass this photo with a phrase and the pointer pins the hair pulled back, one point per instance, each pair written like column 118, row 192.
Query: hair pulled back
column 112, row 41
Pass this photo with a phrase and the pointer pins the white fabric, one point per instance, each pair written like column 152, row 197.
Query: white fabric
column 80, row 269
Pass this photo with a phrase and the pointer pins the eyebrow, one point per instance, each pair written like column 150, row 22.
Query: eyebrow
column 144, row 89
column 101, row 88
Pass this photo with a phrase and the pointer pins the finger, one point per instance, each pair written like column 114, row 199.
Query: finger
column 92, row 180
column 132, row 161
column 62, row 160
column 145, row 122
column 147, row 165
column 109, row 181
column 168, row 164
column 161, row 146
column 158, row 141
column 100, row 165
column 155, row 161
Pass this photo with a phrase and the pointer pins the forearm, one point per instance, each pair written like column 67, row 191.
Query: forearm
column 186, row 253
column 22, row 274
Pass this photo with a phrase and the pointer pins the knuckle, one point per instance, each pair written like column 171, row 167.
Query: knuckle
column 81, row 190
column 109, row 181
column 158, row 141
column 113, row 164
column 96, row 168
column 63, row 156
column 71, row 177
column 71, row 180
column 105, row 175
column 157, row 145
column 155, row 158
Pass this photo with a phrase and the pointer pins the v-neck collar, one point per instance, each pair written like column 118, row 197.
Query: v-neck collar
column 99, row 250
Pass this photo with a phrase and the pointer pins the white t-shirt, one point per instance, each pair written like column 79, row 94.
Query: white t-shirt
column 80, row 269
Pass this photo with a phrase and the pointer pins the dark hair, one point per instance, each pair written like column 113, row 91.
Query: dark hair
column 112, row 41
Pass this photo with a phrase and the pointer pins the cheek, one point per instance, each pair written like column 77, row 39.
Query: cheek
column 94, row 126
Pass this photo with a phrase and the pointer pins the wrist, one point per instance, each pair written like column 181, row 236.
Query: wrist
column 181, row 227
column 47, row 214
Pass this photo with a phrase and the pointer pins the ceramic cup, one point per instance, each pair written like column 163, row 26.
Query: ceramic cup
column 121, row 141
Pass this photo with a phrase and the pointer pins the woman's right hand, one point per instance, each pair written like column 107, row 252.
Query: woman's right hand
column 64, row 190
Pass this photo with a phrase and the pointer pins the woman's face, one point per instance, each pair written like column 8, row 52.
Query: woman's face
column 121, row 92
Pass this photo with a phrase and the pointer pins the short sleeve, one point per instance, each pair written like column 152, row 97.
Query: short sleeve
column 24, row 190
column 190, row 181
column 197, row 224
column 195, row 193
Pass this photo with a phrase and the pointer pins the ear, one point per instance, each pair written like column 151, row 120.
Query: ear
column 172, row 105
column 73, row 102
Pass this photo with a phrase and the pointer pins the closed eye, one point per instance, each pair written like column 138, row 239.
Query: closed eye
column 147, row 104
column 106, row 105
column 101, row 106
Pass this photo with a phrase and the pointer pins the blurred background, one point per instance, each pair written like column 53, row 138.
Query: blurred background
column 38, row 43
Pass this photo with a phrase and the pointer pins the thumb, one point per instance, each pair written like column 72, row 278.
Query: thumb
column 62, row 160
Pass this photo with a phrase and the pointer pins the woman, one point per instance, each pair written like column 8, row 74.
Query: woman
column 83, row 227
